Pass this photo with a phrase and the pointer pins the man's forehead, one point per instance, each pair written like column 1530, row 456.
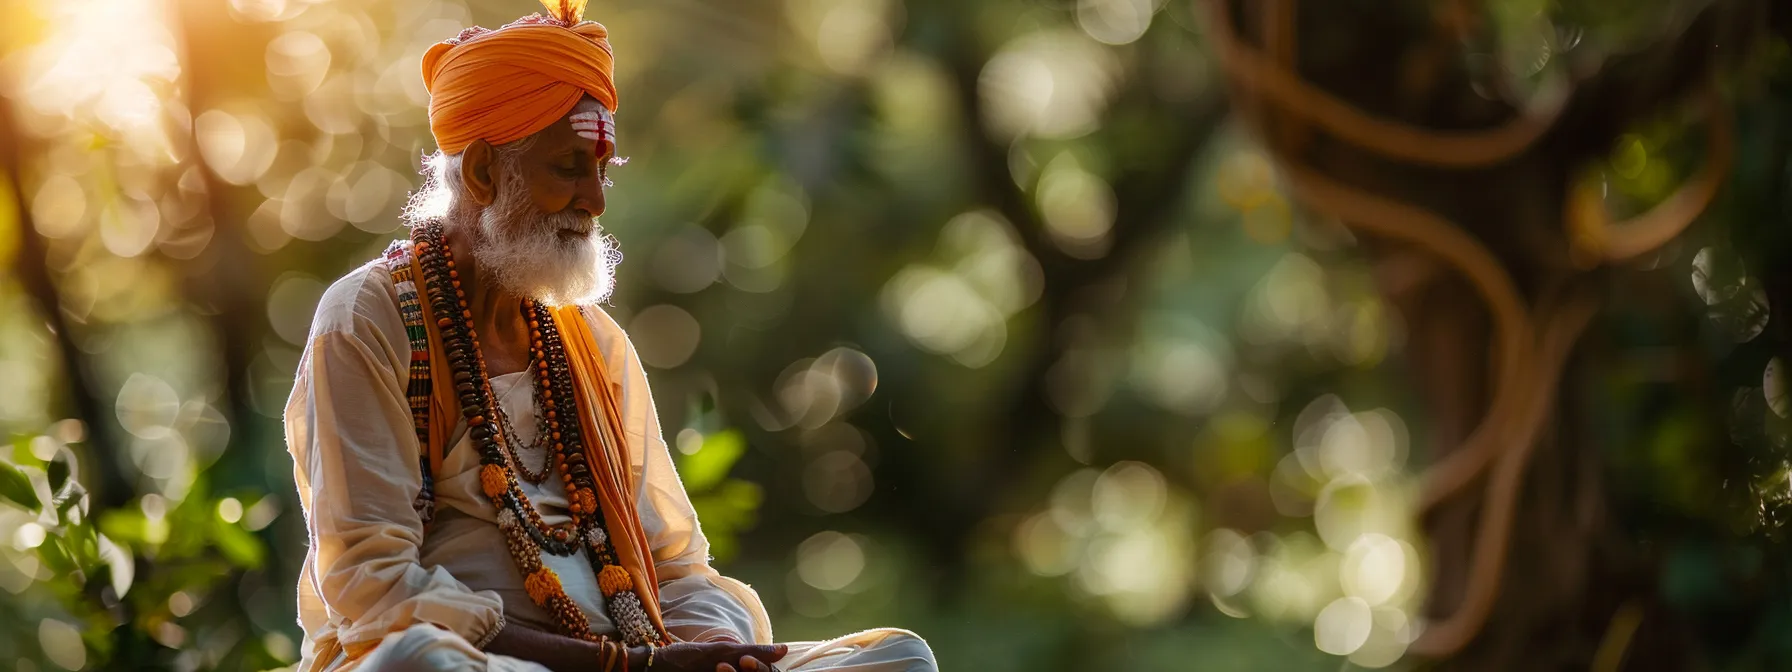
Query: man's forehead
column 592, row 122
column 589, row 104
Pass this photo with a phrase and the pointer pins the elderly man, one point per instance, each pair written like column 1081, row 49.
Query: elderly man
column 483, row 475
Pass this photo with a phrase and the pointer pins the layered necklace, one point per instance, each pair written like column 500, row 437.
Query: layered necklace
column 525, row 533
column 543, row 432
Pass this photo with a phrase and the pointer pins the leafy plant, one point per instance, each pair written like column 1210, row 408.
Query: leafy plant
column 131, row 580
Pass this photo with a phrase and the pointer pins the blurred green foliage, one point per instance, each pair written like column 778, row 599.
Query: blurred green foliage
column 725, row 505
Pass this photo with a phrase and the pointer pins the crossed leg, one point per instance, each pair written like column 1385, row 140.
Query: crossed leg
column 425, row 648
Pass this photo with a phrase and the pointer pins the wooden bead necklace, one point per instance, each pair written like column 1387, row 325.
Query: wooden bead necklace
column 526, row 534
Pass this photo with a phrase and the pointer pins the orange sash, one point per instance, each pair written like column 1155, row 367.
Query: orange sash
column 606, row 450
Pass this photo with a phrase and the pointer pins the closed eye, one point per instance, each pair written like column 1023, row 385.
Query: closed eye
column 573, row 165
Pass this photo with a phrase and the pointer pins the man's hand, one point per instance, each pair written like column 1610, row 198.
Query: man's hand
column 715, row 657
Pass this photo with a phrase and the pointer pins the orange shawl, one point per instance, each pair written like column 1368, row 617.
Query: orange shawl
column 607, row 451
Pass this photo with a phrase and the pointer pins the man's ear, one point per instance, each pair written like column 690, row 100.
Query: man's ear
column 476, row 172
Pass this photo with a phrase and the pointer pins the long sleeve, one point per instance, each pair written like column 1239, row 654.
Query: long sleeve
column 696, row 602
column 348, row 428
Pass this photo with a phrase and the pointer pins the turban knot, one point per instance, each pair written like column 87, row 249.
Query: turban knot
column 503, row 85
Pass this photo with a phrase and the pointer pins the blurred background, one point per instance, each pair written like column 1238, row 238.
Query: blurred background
column 999, row 321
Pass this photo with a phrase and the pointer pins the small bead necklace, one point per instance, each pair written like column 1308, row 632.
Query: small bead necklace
column 543, row 433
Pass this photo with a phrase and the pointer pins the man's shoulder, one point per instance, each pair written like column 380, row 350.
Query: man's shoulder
column 607, row 330
column 363, row 295
column 600, row 319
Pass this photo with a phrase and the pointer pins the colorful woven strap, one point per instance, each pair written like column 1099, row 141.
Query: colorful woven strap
column 401, row 263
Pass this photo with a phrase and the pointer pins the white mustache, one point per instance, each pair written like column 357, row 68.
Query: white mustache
column 574, row 223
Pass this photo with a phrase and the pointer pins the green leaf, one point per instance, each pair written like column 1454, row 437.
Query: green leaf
column 727, row 511
column 743, row 495
column 15, row 486
column 126, row 525
column 718, row 518
column 71, row 497
column 21, row 450
column 707, row 467
column 238, row 546
column 723, row 547
column 55, row 556
column 83, row 546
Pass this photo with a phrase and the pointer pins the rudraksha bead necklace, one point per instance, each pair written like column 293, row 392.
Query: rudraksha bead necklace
column 526, row 534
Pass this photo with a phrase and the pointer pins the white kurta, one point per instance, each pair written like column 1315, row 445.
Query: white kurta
column 431, row 599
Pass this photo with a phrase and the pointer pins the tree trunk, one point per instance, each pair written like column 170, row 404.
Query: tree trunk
column 1570, row 594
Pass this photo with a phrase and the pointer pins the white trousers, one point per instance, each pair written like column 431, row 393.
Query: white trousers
column 425, row 648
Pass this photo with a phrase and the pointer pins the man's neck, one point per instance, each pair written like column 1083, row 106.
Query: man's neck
column 497, row 318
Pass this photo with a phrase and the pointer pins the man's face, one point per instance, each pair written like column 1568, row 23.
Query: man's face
column 539, row 236
column 564, row 169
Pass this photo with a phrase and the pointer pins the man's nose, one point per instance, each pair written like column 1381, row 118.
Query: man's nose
column 590, row 196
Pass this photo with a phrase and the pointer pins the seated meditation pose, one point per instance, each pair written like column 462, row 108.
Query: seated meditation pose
column 483, row 475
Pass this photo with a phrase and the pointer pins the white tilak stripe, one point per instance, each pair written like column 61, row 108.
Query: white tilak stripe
column 594, row 126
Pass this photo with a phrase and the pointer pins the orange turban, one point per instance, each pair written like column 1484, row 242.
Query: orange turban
column 503, row 85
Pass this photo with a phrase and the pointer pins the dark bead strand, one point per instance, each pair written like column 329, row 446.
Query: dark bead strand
column 547, row 542
column 572, row 452
column 543, row 424
column 573, row 456
column 568, row 445
column 603, row 554
column 559, row 386
column 560, row 372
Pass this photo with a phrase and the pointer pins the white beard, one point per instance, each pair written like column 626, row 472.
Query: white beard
column 522, row 250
